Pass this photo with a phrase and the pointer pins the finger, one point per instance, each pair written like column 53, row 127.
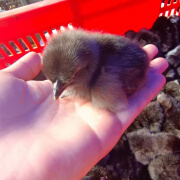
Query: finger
column 27, row 67
column 159, row 65
column 151, row 51
column 149, row 90
column 39, row 90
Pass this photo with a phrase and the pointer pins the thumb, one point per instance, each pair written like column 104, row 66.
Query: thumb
column 27, row 67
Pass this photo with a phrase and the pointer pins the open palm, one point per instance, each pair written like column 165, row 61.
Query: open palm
column 43, row 139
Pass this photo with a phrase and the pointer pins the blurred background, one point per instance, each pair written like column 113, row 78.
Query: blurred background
column 6, row 5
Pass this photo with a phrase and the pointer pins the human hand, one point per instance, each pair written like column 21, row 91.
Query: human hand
column 43, row 139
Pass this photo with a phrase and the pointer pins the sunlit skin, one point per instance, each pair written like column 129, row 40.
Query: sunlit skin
column 44, row 139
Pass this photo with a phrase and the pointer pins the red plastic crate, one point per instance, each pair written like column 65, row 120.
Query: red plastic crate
column 113, row 16
column 170, row 7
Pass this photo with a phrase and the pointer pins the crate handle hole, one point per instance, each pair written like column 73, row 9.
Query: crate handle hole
column 177, row 12
column 47, row 35
column 1, row 57
column 70, row 26
column 7, row 64
column 62, row 28
column 15, row 47
column 166, row 13
column 6, row 50
column 172, row 11
column 23, row 44
column 31, row 41
column 54, row 31
column 40, row 40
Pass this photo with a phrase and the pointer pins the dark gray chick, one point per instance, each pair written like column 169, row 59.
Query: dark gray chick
column 173, row 57
column 173, row 88
column 172, row 112
column 165, row 167
column 130, row 34
column 146, row 145
column 100, row 68
column 176, row 21
column 167, row 32
column 144, row 37
column 151, row 118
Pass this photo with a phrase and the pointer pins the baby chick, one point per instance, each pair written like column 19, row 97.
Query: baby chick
column 151, row 118
column 173, row 89
column 176, row 21
column 144, row 37
column 130, row 34
column 165, row 167
column 102, row 68
column 146, row 145
column 173, row 57
column 167, row 32
column 172, row 111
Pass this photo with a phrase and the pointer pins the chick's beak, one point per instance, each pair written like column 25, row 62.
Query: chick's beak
column 58, row 89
